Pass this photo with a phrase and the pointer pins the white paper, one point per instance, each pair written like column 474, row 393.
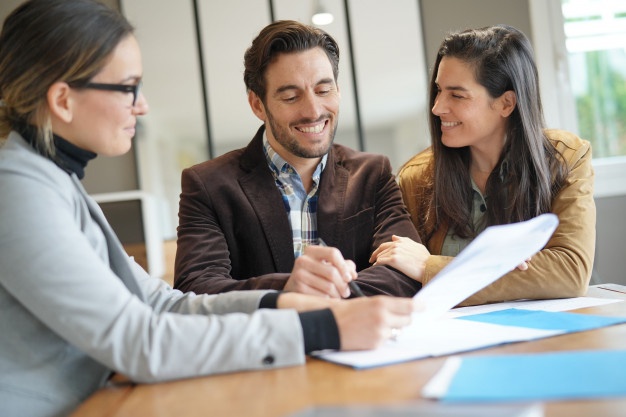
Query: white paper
column 613, row 287
column 437, row 337
column 492, row 254
column 561, row 304
column 496, row 251
column 446, row 336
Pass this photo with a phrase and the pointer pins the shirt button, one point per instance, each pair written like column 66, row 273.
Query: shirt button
column 483, row 208
column 268, row 360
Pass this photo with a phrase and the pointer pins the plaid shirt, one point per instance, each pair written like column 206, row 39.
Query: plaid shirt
column 300, row 206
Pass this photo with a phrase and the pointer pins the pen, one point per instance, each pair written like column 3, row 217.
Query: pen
column 354, row 287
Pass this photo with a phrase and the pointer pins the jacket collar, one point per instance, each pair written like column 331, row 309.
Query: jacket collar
column 259, row 187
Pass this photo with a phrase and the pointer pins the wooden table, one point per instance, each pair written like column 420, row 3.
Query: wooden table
column 285, row 391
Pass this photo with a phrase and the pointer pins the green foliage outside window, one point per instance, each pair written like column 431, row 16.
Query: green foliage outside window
column 602, row 108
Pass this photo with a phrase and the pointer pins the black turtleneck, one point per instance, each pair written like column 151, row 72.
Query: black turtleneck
column 67, row 156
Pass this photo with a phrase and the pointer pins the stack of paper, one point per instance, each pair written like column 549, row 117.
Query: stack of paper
column 496, row 251
column 447, row 336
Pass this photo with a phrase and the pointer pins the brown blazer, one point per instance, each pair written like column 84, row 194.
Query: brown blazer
column 234, row 234
column 562, row 269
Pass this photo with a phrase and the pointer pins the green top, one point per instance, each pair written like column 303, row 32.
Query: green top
column 452, row 244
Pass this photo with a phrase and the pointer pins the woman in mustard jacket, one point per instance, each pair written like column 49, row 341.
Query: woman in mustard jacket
column 492, row 161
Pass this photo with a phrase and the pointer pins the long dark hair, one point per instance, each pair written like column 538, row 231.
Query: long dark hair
column 530, row 171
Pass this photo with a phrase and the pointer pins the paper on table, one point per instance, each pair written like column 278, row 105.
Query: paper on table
column 496, row 251
column 445, row 336
column 561, row 304
column 493, row 253
column 436, row 338
column 613, row 287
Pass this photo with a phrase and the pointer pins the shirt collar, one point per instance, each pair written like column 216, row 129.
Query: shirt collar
column 279, row 166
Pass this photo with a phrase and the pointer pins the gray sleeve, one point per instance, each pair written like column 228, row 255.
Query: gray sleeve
column 164, row 298
column 55, row 265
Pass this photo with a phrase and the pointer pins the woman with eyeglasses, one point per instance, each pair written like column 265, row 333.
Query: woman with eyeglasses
column 75, row 307
column 492, row 161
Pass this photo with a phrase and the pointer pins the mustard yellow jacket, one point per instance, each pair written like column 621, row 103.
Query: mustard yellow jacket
column 562, row 269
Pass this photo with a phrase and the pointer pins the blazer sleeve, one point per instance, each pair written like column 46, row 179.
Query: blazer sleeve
column 56, row 267
column 390, row 218
column 203, row 262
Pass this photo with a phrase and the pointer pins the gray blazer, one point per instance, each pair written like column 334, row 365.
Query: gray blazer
column 75, row 307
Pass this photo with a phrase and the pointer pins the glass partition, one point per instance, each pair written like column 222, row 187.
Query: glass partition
column 381, row 69
column 392, row 78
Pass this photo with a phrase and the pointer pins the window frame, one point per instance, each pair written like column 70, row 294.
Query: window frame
column 547, row 22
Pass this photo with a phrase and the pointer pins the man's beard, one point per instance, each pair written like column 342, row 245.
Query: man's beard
column 292, row 145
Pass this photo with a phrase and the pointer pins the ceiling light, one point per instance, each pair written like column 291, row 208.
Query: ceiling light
column 321, row 16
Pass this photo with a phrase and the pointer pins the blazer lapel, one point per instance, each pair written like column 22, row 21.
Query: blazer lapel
column 118, row 258
column 259, row 187
column 332, row 197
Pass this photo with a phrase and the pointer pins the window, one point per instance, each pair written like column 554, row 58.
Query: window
column 595, row 37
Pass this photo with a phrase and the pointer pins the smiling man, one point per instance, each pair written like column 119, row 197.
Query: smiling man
column 254, row 218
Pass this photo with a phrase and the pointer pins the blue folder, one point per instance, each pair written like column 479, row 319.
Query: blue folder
column 541, row 376
column 546, row 320
column 546, row 376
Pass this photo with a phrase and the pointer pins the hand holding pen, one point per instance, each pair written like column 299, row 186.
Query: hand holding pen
column 321, row 271
column 354, row 287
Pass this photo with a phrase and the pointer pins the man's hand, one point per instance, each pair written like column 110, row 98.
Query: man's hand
column 322, row 271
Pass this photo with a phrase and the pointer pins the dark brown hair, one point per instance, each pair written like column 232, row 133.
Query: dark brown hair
column 284, row 36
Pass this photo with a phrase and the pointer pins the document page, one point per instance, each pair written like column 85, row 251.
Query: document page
column 496, row 251
column 562, row 304
column 436, row 338
column 445, row 336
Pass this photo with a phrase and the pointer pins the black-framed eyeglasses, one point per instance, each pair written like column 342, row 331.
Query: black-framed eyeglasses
column 124, row 88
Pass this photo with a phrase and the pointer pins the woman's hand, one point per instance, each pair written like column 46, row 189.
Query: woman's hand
column 363, row 322
column 524, row 265
column 366, row 322
column 403, row 254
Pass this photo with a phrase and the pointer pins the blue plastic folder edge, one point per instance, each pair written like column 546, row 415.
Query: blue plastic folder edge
column 531, row 377
column 546, row 320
